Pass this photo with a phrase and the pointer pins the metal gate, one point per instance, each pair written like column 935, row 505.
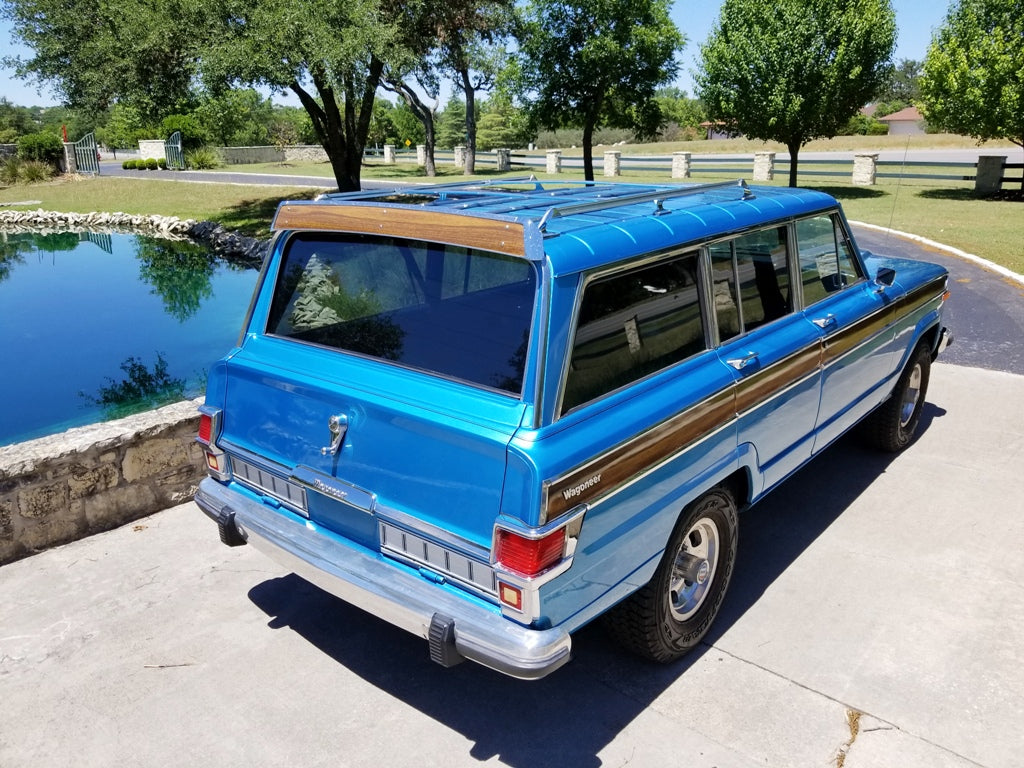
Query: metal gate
column 86, row 158
column 172, row 152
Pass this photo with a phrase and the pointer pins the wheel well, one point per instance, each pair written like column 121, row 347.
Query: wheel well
column 738, row 486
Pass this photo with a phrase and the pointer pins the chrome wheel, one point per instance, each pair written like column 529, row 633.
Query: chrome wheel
column 693, row 572
column 911, row 396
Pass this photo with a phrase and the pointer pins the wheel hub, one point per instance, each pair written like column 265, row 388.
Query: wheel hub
column 694, row 569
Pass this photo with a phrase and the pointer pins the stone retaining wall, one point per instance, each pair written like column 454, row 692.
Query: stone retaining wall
column 60, row 488
column 299, row 153
column 44, row 221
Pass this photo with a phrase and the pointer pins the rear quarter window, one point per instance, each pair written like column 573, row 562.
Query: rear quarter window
column 634, row 324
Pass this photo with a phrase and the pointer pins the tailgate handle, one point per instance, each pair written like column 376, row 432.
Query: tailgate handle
column 338, row 425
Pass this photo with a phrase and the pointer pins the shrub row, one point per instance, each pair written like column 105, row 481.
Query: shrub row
column 149, row 164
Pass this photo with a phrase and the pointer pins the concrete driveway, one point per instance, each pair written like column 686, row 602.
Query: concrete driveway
column 874, row 620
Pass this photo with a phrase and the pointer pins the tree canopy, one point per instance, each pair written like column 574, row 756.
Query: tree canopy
column 973, row 81
column 596, row 63
column 795, row 70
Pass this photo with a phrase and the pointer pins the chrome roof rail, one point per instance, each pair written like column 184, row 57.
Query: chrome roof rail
column 657, row 196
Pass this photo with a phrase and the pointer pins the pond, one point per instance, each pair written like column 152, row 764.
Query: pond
column 94, row 326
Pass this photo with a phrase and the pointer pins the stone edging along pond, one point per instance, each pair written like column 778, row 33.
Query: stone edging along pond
column 56, row 489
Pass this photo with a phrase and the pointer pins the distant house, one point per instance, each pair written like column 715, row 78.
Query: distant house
column 719, row 130
column 906, row 122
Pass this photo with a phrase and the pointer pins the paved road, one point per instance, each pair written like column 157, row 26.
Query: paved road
column 985, row 311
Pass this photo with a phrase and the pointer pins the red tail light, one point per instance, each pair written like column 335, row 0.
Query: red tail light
column 529, row 557
column 205, row 428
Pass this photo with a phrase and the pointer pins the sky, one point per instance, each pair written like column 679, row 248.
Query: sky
column 915, row 20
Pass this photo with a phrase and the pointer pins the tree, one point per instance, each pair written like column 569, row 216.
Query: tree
column 501, row 125
column 423, row 112
column 124, row 127
column 904, row 83
column 94, row 53
column 469, row 46
column 451, row 124
column 330, row 55
column 795, row 70
column 973, row 81
column 596, row 63
column 150, row 55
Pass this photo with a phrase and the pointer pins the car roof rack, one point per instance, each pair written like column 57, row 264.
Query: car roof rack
column 656, row 196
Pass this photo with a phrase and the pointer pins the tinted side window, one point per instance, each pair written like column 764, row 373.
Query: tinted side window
column 750, row 276
column 826, row 257
column 633, row 324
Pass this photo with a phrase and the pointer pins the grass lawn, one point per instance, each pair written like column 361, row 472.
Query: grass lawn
column 946, row 212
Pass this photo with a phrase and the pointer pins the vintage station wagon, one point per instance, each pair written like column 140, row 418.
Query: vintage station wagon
column 491, row 413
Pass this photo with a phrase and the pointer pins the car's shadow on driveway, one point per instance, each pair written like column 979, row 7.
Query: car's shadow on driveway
column 569, row 717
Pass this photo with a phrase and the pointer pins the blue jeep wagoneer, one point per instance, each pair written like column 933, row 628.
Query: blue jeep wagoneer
column 490, row 413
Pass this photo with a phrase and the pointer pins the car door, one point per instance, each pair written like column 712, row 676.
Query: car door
column 772, row 351
column 856, row 318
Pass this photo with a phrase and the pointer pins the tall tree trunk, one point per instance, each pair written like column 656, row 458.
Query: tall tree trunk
column 588, row 149
column 468, row 89
column 794, row 156
column 342, row 134
column 426, row 117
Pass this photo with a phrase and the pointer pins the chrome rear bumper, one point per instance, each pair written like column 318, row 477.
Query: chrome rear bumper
column 467, row 628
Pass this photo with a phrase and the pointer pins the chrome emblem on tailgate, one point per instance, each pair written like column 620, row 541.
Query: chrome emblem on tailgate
column 336, row 489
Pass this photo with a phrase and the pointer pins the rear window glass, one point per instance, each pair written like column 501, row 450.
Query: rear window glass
column 457, row 312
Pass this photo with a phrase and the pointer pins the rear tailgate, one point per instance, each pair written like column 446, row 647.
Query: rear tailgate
column 420, row 454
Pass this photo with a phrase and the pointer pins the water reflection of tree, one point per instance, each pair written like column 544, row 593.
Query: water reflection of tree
column 13, row 247
column 142, row 389
column 180, row 272
column 11, row 251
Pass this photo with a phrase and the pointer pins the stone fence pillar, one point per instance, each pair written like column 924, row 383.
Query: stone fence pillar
column 612, row 163
column 764, row 166
column 988, row 178
column 70, row 164
column 504, row 159
column 421, row 154
column 554, row 161
column 681, row 165
column 865, row 169
column 460, row 157
column 389, row 153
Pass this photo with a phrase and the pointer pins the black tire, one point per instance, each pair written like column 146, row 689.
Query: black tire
column 893, row 425
column 670, row 615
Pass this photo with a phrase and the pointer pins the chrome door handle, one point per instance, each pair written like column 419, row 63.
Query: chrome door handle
column 825, row 322
column 739, row 363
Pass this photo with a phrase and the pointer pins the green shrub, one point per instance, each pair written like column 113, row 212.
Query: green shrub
column 151, row 164
column 202, row 159
column 128, row 165
column 35, row 171
column 162, row 162
column 10, row 170
column 44, row 147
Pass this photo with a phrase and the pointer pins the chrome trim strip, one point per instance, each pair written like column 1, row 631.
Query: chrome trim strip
column 270, row 484
column 377, row 585
column 421, row 552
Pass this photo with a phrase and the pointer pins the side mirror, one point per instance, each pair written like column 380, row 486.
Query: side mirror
column 886, row 277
